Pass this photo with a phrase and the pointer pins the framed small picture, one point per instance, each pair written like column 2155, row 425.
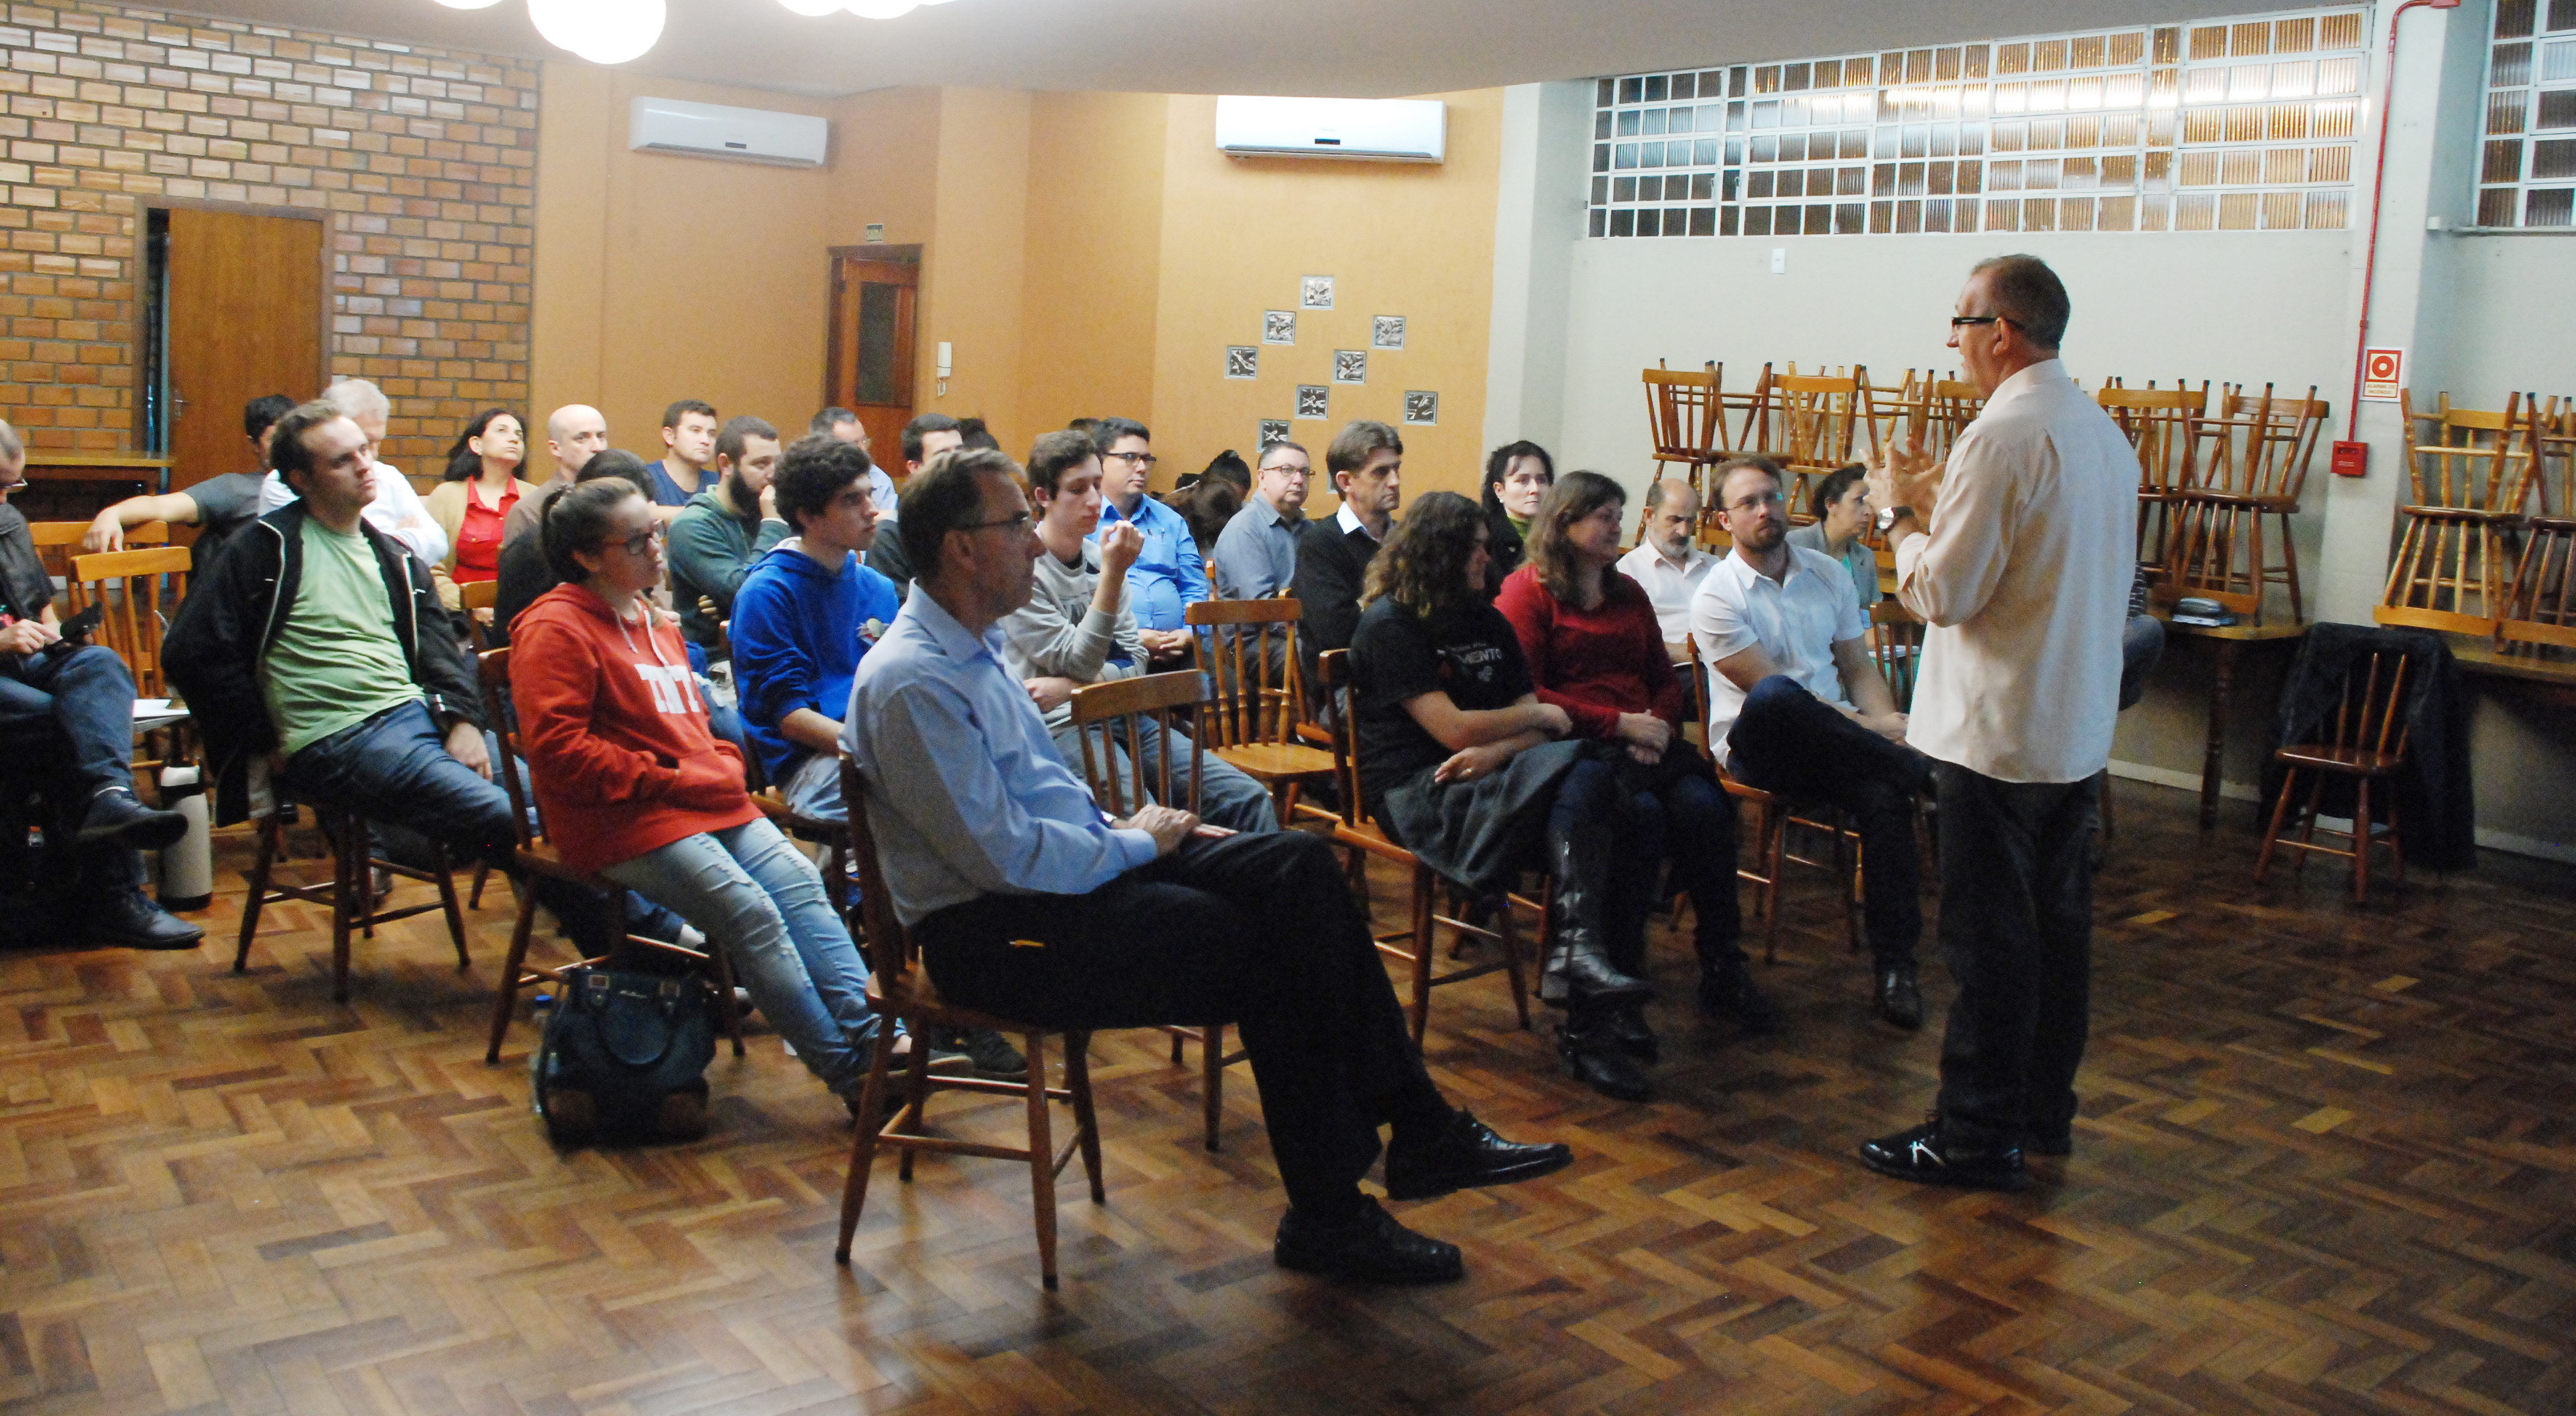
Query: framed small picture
column 1315, row 292
column 1421, row 407
column 1350, row 366
column 1314, row 401
column 1386, row 332
column 1279, row 326
column 1242, row 361
column 1273, row 430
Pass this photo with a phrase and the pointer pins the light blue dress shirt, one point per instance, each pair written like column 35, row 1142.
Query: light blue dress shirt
column 1256, row 554
column 966, row 794
column 1168, row 573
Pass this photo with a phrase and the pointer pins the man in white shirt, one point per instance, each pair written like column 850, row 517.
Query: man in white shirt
column 1796, row 706
column 397, row 510
column 2022, row 572
column 1668, row 561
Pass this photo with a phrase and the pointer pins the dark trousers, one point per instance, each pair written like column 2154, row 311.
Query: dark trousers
column 81, row 700
column 1793, row 743
column 1254, row 930
column 1686, row 819
column 2017, row 930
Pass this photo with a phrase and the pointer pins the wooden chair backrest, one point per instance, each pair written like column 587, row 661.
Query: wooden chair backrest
column 2259, row 445
column 473, row 596
column 1160, row 697
column 1333, row 667
column 890, row 950
column 492, row 670
column 1951, row 406
column 2370, row 712
column 1814, row 420
column 131, row 621
column 58, row 541
column 1896, row 646
column 1686, row 413
column 1697, row 668
column 1234, row 639
column 2553, row 444
column 2467, row 458
column 2162, row 425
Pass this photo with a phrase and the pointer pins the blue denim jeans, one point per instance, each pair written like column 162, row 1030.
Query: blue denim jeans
column 1227, row 798
column 757, row 898
column 89, row 695
column 813, row 787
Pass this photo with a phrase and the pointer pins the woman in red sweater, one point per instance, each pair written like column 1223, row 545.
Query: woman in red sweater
column 1593, row 647
column 635, row 788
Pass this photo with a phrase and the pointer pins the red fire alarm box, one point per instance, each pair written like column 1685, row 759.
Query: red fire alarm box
column 2351, row 459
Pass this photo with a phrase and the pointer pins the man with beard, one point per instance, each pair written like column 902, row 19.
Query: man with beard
column 724, row 529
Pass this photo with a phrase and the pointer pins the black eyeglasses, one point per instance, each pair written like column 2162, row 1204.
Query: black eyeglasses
column 1016, row 523
column 1141, row 459
column 1958, row 321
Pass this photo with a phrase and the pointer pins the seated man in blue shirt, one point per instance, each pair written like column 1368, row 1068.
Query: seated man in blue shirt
column 1168, row 576
column 987, row 840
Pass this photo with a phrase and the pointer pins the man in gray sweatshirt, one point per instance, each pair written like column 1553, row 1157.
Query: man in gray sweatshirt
column 1077, row 629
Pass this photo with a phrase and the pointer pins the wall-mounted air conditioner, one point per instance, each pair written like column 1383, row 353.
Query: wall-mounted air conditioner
column 1363, row 129
column 712, row 130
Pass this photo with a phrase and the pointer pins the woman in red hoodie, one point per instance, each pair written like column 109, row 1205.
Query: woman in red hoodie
column 1593, row 647
column 634, row 787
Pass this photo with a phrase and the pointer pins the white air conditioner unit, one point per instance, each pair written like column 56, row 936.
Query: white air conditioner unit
column 712, row 130
column 1362, row 129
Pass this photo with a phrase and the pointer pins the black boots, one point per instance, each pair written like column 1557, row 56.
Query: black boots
column 1593, row 1051
column 1578, row 965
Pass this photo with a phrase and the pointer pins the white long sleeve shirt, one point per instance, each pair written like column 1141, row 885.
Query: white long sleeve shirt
column 397, row 511
column 2024, row 582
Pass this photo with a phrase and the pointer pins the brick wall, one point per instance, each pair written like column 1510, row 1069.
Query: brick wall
column 424, row 161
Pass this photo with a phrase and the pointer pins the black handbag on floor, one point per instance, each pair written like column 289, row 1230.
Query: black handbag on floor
column 624, row 1057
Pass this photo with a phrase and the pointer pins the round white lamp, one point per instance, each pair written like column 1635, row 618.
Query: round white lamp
column 812, row 7
column 469, row 4
column 880, row 9
column 601, row 31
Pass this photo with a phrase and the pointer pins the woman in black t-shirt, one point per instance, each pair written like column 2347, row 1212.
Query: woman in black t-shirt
column 1461, row 763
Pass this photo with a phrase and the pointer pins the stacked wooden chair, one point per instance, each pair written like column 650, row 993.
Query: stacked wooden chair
column 2472, row 472
column 2541, row 612
column 2254, row 456
column 1812, row 424
column 1686, row 417
column 2162, row 425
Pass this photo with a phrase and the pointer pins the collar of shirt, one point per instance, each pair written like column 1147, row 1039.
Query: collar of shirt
column 1743, row 573
column 2029, row 381
column 1645, row 555
column 1147, row 514
column 1349, row 522
column 952, row 637
column 1268, row 515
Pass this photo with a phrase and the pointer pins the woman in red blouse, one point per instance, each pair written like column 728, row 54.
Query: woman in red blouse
column 472, row 503
column 1594, row 649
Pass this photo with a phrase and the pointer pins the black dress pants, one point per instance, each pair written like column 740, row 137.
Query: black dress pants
column 1258, row 931
column 2017, row 929
column 1793, row 743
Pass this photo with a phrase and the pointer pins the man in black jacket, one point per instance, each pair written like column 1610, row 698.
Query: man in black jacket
column 1365, row 462
column 316, row 654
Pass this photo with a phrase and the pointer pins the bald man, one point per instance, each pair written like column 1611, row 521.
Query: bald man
column 575, row 433
column 1669, row 562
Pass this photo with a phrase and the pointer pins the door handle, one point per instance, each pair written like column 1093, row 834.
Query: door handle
column 178, row 404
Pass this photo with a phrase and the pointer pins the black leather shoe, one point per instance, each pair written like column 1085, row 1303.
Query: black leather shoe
column 1593, row 1057
column 1369, row 1247
column 1466, row 1156
column 118, row 816
column 2049, row 1141
column 1900, row 997
column 1628, row 1028
column 1927, row 1156
column 126, row 920
column 1729, row 991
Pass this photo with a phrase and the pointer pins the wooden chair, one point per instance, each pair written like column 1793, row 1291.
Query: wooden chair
column 2254, row 463
column 1811, row 424
column 2359, row 746
column 1949, row 406
column 537, row 856
column 1259, row 705
column 2162, row 426
column 2472, row 472
column 1774, row 817
column 349, row 893
column 900, row 990
column 58, row 541
column 1896, row 646
column 1356, row 831
column 476, row 598
column 1686, row 421
column 129, row 589
column 2541, row 612
column 1098, row 711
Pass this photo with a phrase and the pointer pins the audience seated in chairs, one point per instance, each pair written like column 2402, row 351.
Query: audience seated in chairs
column 1668, row 563
column 71, row 707
column 924, row 438
column 1256, row 553
column 1841, row 507
column 724, row 529
column 988, row 840
column 1366, row 465
column 1796, row 706
column 1169, row 575
column 575, row 433
column 635, row 789
column 1077, row 628
column 1589, row 636
column 216, row 506
column 317, row 654
column 473, row 504
column 1462, row 764
column 1517, row 475
column 846, row 426
column 394, row 508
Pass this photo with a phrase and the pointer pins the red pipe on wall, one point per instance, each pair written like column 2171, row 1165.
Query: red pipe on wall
column 2351, row 455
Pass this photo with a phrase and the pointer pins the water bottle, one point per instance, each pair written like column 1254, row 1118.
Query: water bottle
column 186, row 869
column 538, row 1010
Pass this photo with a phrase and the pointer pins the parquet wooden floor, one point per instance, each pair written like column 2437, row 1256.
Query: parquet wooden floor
column 2327, row 1163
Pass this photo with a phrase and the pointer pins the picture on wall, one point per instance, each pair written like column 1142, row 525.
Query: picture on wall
column 1279, row 326
column 1273, row 430
column 1387, row 332
column 1315, row 401
column 1315, row 292
column 1242, row 361
column 1350, row 366
column 1421, row 407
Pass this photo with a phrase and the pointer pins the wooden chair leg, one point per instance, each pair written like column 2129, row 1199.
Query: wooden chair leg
column 2396, row 843
column 2308, row 832
column 917, row 1098
column 1211, row 1078
column 1177, row 1035
column 511, row 967
column 349, row 890
column 1778, row 828
column 1422, row 949
column 1041, row 1157
column 863, row 1145
column 2361, row 842
column 725, row 990
column 482, row 873
column 447, row 903
column 1077, row 1080
column 269, row 834
column 1512, row 947
column 2290, row 570
column 2272, row 836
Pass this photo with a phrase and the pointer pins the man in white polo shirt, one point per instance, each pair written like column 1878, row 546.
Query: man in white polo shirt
column 1796, row 706
column 1668, row 561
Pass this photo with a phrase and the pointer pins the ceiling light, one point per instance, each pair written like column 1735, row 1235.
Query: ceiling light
column 879, row 9
column 811, row 7
column 601, row 31
column 469, row 4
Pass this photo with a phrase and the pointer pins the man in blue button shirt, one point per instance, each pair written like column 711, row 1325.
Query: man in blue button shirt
column 1168, row 576
column 990, row 845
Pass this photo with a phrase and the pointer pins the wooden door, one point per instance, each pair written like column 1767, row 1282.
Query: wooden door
column 245, row 320
column 874, row 302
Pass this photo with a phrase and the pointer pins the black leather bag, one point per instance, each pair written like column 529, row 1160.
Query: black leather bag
column 624, row 1057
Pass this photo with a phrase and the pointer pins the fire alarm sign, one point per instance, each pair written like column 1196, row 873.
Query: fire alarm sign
column 2383, row 373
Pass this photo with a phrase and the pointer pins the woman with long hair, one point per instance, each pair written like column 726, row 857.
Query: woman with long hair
column 1467, row 767
column 1517, row 475
column 482, row 485
column 1594, row 649
column 635, row 788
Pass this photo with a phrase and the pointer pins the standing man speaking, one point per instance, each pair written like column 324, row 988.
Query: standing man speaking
column 2018, row 555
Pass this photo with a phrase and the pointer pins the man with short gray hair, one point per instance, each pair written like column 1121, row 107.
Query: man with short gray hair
column 397, row 509
column 1668, row 561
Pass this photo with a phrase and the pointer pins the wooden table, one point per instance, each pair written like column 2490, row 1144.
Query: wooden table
column 76, row 485
column 2227, row 640
column 2551, row 681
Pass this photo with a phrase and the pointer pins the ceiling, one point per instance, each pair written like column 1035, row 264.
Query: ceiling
column 1349, row 48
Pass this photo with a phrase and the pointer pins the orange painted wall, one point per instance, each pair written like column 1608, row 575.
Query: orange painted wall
column 973, row 271
column 1095, row 245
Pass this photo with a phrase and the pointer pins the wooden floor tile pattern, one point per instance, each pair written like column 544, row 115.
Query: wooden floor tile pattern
column 2327, row 1163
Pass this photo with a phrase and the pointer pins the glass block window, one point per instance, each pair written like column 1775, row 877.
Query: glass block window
column 2527, row 149
column 2222, row 125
